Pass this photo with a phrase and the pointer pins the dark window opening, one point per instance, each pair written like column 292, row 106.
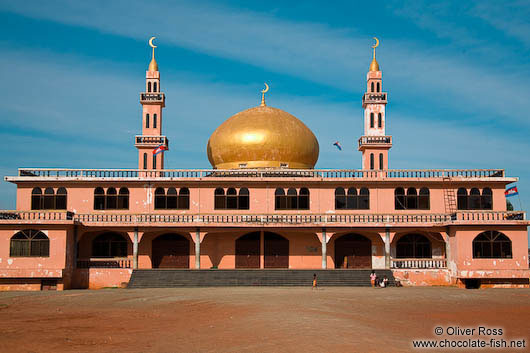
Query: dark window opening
column 109, row 245
column 372, row 163
column 172, row 200
column 145, row 160
column 154, row 121
column 147, row 121
column 154, row 161
column 155, row 88
column 411, row 200
column 379, row 120
column 378, row 87
column 148, row 86
column 381, row 165
column 372, row 87
column 293, row 200
column 492, row 245
column 372, row 123
column 352, row 200
column 29, row 243
column 413, row 246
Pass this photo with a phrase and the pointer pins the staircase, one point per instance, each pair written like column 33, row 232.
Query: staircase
column 449, row 200
column 167, row 278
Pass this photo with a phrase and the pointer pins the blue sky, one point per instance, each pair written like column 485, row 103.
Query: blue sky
column 457, row 74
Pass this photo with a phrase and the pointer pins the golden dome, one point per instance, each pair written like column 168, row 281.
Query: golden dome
column 153, row 66
column 263, row 137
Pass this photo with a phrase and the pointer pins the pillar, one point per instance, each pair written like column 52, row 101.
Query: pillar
column 324, row 250
column 261, row 250
column 198, row 249
column 387, row 248
column 135, row 249
column 74, row 265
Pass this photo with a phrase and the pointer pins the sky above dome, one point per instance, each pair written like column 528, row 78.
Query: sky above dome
column 457, row 74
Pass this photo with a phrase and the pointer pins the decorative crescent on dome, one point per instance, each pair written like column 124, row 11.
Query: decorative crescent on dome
column 376, row 43
column 266, row 88
column 151, row 43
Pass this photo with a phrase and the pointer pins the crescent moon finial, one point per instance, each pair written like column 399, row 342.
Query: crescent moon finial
column 263, row 91
column 151, row 42
column 376, row 43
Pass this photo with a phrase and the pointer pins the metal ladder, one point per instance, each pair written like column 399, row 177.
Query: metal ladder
column 449, row 199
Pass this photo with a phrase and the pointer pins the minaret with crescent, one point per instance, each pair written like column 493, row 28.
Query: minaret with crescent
column 152, row 101
column 374, row 144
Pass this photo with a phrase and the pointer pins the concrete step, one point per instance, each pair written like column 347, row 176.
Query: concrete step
column 165, row 278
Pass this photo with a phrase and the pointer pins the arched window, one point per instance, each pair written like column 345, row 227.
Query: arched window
column 474, row 199
column 220, row 199
column 49, row 199
column 154, row 121
column 492, row 245
column 145, row 160
column 183, row 200
column 160, row 199
column 381, row 165
column 352, row 202
column 424, row 202
column 36, row 199
column 60, row 199
column 147, row 121
column 231, row 199
column 364, row 199
column 123, row 199
column 109, row 245
column 303, row 199
column 461, row 196
column 372, row 123
column 372, row 163
column 486, row 201
column 379, row 120
column 155, row 88
column 412, row 199
column 244, row 202
column 111, row 199
column 292, row 199
column 148, row 86
column 280, row 200
column 171, row 199
column 378, row 87
column 99, row 198
column 399, row 199
column 413, row 246
column 372, row 86
column 154, row 161
column 340, row 199
column 29, row 243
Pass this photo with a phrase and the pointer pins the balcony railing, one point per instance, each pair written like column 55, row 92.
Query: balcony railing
column 287, row 219
column 151, row 139
column 418, row 263
column 373, row 97
column 36, row 215
column 258, row 173
column 105, row 263
column 152, row 97
column 264, row 219
column 375, row 140
column 485, row 216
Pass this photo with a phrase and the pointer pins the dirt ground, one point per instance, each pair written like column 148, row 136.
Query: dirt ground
column 255, row 319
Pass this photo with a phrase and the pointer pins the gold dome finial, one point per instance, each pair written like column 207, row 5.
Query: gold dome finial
column 153, row 66
column 374, row 66
column 263, row 91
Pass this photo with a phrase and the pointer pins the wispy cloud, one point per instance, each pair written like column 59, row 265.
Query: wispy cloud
column 312, row 51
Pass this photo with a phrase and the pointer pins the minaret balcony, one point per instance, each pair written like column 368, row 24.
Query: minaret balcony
column 152, row 98
column 374, row 98
column 142, row 140
column 375, row 141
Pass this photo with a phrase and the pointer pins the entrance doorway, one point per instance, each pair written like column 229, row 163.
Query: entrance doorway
column 276, row 249
column 353, row 251
column 171, row 251
column 247, row 250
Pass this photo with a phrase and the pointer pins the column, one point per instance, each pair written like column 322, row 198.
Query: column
column 324, row 250
column 74, row 265
column 387, row 248
column 135, row 249
column 261, row 250
column 198, row 249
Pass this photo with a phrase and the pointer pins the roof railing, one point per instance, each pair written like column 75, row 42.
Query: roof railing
column 260, row 173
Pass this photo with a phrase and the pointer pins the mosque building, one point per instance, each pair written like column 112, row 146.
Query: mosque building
column 261, row 208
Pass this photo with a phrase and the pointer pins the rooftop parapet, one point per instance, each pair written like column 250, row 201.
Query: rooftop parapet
column 63, row 174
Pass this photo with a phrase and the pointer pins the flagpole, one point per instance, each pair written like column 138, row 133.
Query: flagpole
column 520, row 203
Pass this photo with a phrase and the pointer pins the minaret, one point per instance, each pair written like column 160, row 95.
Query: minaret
column 152, row 101
column 374, row 144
